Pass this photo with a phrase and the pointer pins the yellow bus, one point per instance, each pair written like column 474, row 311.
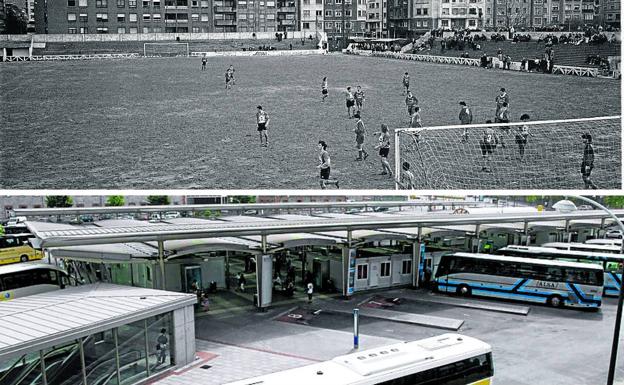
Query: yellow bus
column 16, row 248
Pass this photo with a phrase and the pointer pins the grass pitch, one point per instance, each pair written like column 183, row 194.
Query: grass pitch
column 165, row 124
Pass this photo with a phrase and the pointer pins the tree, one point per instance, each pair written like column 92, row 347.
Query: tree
column 531, row 198
column 115, row 200
column 158, row 200
column 614, row 202
column 1, row 230
column 16, row 21
column 243, row 199
column 59, row 201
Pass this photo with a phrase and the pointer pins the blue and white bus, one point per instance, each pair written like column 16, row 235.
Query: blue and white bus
column 556, row 283
column 592, row 248
column 611, row 263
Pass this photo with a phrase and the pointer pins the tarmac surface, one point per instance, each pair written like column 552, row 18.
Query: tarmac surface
column 540, row 346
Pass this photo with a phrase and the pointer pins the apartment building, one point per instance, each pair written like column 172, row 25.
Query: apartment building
column 2, row 17
column 376, row 19
column 311, row 16
column 344, row 18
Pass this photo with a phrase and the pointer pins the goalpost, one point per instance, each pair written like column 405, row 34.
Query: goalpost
column 442, row 158
column 165, row 49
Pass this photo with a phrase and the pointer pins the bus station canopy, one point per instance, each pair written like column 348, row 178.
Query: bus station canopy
column 56, row 235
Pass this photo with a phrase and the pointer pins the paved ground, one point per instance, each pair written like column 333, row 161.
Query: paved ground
column 163, row 123
column 547, row 346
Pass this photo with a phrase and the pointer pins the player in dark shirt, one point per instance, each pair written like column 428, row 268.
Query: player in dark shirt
column 359, row 98
column 587, row 165
column 204, row 61
column 325, row 166
column 488, row 144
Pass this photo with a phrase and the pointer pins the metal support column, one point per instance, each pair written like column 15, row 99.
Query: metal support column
column 82, row 361
column 478, row 237
column 416, row 256
column 345, row 264
column 526, row 233
column 146, row 347
column 44, row 376
column 117, row 363
column 259, row 268
column 161, row 262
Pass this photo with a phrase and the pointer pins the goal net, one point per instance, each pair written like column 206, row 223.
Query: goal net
column 165, row 49
column 496, row 156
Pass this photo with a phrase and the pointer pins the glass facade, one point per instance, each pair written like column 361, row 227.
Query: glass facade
column 118, row 356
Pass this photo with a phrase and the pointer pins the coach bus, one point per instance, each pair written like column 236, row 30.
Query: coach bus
column 26, row 279
column 611, row 249
column 611, row 263
column 604, row 241
column 443, row 360
column 16, row 248
column 556, row 283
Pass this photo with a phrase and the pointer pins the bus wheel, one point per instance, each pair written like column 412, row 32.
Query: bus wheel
column 555, row 301
column 464, row 290
column 24, row 258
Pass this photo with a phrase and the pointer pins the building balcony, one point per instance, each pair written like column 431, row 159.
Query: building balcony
column 222, row 23
column 287, row 22
column 170, row 21
column 167, row 7
column 224, row 9
column 286, row 9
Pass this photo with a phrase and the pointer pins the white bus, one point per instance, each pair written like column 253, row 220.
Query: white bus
column 555, row 283
column 612, row 249
column 442, row 360
column 25, row 279
column 604, row 241
column 611, row 263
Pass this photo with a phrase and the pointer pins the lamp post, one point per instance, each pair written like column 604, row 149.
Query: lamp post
column 618, row 316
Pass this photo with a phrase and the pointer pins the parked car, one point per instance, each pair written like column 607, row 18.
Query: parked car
column 614, row 233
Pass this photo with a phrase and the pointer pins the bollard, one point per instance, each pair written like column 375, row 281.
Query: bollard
column 356, row 329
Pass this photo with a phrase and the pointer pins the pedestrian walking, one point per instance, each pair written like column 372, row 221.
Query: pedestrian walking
column 310, row 291
column 162, row 343
column 241, row 282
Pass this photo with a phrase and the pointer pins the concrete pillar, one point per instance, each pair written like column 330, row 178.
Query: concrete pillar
column 478, row 237
column 184, row 336
column 526, row 233
column 161, row 263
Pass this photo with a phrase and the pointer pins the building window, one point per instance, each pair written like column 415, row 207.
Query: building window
column 121, row 17
column 71, row 3
column 406, row 266
column 418, row 11
column 146, row 30
column 385, row 269
column 71, row 17
column 242, row 16
column 472, row 23
column 132, row 4
column 196, row 29
column 348, row 26
column 338, row 13
column 121, row 30
column 134, row 30
column 102, row 30
column 146, row 4
column 121, row 3
column 425, row 11
column 84, row 30
column 348, row 13
column 270, row 3
column 83, row 18
column 82, row 3
column 195, row 16
column 72, row 31
column 156, row 4
column 147, row 17
column 306, row 13
column 425, row 23
column 101, row 3
column 132, row 18
column 157, row 30
column 362, row 271
column 445, row 11
column 204, row 4
column 328, row 13
column 306, row 25
column 329, row 25
column 101, row 17
column 156, row 17
column 204, row 17
column 270, row 17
